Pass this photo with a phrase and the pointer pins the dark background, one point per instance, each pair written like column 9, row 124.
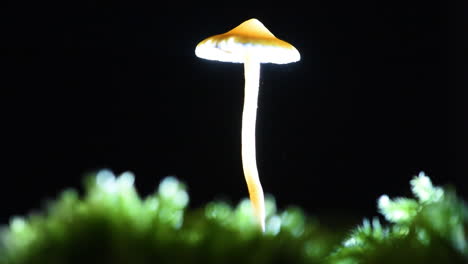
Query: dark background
column 377, row 97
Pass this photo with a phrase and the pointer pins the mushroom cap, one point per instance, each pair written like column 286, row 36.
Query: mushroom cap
column 250, row 38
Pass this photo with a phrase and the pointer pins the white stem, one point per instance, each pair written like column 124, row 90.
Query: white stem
column 249, row 116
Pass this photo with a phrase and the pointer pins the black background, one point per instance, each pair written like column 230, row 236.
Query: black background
column 377, row 97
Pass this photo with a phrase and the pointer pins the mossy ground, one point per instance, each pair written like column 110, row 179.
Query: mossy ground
column 111, row 223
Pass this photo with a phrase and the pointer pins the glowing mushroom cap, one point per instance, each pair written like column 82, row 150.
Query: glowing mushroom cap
column 250, row 38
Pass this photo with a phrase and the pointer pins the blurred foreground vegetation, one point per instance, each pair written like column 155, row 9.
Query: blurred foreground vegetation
column 110, row 223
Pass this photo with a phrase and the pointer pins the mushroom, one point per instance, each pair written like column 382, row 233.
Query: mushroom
column 250, row 43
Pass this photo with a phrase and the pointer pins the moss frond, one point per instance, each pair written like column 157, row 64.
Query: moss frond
column 428, row 229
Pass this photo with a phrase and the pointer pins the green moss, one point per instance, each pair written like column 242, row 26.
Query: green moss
column 111, row 223
column 428, row 229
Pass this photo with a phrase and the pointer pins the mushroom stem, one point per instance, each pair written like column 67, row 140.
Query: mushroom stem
column 249, row 116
